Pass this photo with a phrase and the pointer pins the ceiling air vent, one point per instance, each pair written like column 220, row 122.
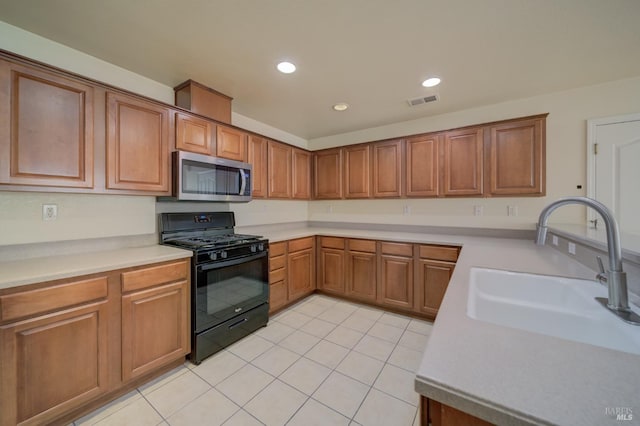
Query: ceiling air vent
column 422, row 100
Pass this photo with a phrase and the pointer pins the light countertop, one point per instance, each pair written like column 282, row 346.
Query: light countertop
column 16, row 273
column 504, row 375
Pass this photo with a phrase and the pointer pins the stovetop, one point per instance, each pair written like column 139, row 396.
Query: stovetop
column 200, row 242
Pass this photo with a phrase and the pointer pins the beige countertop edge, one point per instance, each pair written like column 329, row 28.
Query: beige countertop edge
column 41, row 269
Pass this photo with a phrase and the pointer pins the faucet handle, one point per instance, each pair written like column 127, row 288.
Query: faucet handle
column 600, row 265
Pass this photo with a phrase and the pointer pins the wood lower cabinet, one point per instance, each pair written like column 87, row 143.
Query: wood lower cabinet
column 331, row 265
column 300, row 268
column 516, row 152
column 361, row 270
column 46, row 129
column 387, row 170
column 279, row 170
column 396, row 275
column 435, row 266
column 231, row 143
column 194, row 134
column 74, row 342
column 137, row 145
column 301, row 174
column 155, row 298
column 257, row 157
column 462, row 156
column 422, row 169
column 327, row 174
column 435, row 413
column 278, row 294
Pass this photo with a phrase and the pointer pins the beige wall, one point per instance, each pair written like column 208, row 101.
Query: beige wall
column 566, row 159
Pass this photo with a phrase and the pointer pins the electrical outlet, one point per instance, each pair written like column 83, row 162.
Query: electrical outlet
column 406, row 210
column 329, row 208
column 49, row 211
column 554, row 240
column 477, row 210
column 512, row 210
column 572, row 248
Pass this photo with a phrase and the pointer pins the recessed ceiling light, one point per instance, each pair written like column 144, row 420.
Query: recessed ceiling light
column 340, row 106
column 430, row 82
column 286, row 67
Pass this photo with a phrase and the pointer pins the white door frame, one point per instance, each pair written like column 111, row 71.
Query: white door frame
column 591, row 156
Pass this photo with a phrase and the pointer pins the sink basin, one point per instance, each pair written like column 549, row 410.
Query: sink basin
column 549, row 305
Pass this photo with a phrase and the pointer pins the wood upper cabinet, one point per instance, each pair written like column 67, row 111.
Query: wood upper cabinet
column 328, row 174
column 357, row 171
column 516, row 152
column 331, row 265
column 137, row 145
column 387, row 169
column 194, row 134
column 462, row 156
column 231, row 143
column 257, row 157
column 46, row 129
column 361, row 282
column 422, row 167
column 154, row 298
column 54, row 350
column 396, row 275
column 300, row 267
column 301, row 173
column 279, row 170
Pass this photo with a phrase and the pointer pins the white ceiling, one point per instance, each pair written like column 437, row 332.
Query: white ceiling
column 372, row 54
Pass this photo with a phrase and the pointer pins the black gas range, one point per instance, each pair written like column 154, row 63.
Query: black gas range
column 230, row 278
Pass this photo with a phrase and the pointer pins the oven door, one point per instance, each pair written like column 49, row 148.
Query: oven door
column 229, row 288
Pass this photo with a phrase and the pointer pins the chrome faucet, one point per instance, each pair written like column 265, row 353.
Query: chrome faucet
column 615, row 278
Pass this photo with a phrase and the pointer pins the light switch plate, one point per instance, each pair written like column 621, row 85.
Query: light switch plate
column 572, row 248
column 554, row 240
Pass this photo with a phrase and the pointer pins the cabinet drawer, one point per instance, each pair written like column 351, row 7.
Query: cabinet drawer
column 368, row 246
column 277, row 249
column 277, row 295
column 439, row 253
column 154, row 275
column 332, row 242
column 32, row 302
column 276, row 262
column 300, row 244
column 278, row 275
column 398, row 249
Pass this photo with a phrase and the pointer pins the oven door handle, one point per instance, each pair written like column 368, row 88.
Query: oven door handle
column 232, row 262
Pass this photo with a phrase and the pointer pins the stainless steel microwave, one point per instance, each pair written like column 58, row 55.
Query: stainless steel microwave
column 198, row 177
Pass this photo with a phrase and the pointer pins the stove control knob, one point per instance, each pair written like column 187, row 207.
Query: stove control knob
column 213, row 255
column 261, row 247
column 254, row 248
column 223, row 254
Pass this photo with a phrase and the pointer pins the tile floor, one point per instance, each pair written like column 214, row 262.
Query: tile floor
column 322, row 361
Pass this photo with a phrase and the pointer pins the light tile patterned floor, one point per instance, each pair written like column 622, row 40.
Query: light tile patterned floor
column 322, row 362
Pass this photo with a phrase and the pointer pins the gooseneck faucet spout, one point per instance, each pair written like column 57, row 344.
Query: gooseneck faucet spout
column 615, row 278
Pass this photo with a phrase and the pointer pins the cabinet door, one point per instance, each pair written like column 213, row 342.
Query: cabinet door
column 46, row 129
column 462, row 162
column 328, row 174
column 53, row 363
column 331, row 270
column 137, row 145
column 194, row 134
column 361, row 275
column 155, row 328
column 357, row 172
column 257, row 157
column 396, row 281
column 516, row 158
column 300, row 273
column 279, row 156
column 422, row 166
column 301, row 174
column 432, row 280
column 387, row 169
column 231, row 143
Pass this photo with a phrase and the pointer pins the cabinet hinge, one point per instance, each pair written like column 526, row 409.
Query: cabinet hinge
column 595, row 149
